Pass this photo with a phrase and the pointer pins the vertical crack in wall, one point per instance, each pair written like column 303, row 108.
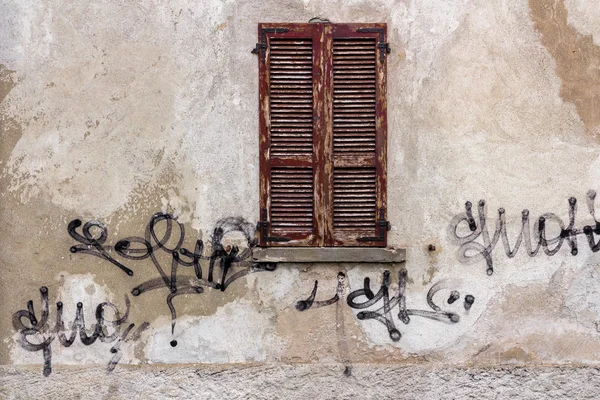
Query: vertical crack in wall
column 577, row 59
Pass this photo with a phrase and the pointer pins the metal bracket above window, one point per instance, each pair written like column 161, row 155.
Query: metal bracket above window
column 261, row 48
column 382, row 227
column 384, row 48
column 263, row 227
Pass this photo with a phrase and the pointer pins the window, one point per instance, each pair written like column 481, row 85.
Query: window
column 322, row 134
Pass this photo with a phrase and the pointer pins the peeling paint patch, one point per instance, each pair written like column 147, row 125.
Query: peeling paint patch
column 81, row 288
column 582, row 298
column 584, row 15
column 238, row 332
column 577, row 59
column 10, row 128
column 278, row 289
column 7, row 82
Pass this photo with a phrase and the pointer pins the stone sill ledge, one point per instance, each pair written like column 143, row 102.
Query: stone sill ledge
column 328, row 255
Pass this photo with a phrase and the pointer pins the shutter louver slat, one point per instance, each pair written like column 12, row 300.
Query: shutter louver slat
column 354, row 198
column 292, row 205
column 354, row 96
column 290, row 72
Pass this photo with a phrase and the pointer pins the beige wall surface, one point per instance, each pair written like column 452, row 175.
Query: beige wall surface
column 125, row 122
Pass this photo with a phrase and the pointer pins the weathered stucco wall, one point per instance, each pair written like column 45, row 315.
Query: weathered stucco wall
column 113, row 111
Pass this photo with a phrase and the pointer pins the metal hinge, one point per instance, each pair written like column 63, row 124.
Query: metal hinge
column 382, row 226
column 263, row 225
column 384, row 48
column 261, row 48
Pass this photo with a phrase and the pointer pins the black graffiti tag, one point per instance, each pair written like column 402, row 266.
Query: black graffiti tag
column 310, row 302
column 383, row 313
column 382, row 306
column 471, row 251
column 37, row 334
column 164, row 236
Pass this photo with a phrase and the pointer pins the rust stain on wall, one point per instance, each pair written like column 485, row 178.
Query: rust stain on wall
column 577, row 59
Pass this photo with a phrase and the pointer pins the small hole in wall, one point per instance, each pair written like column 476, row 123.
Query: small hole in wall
column 173, row 343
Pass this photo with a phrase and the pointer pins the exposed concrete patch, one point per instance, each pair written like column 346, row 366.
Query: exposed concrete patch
column 577, row 59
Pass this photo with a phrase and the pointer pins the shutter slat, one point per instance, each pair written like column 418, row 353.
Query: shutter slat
column 358, row 96
column 361, row 63
column 354, row 198
column 354, row 91
column 292, row 193
column 291, row 101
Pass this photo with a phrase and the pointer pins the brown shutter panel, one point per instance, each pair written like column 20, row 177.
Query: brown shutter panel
column 289, row 110
column 358, row 148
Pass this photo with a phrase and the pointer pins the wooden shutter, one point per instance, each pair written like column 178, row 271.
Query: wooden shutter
column 322, row 134
column 358, row 124
column 289, row 110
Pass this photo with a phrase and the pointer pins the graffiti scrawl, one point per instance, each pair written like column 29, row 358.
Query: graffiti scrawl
column 36, row 333
column 477, row 244
column 222, row 261
column 381, row 307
